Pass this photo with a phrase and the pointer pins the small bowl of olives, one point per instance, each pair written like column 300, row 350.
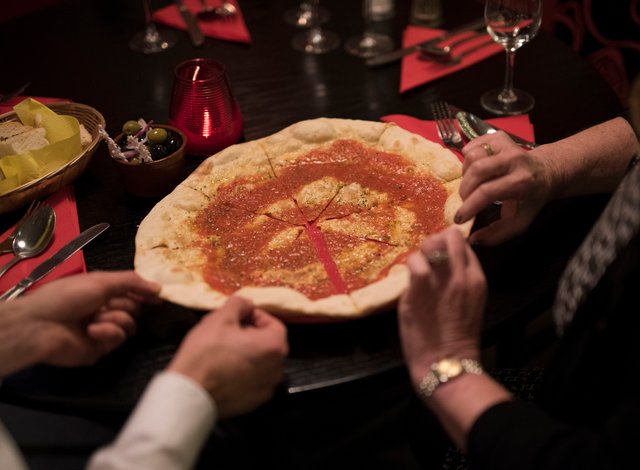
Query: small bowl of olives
column 154, row 157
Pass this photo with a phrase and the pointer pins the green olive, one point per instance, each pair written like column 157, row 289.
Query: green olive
column 157, row 135
column 131, row 128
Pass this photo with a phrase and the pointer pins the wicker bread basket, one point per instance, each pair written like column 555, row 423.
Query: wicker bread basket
column 48, row 184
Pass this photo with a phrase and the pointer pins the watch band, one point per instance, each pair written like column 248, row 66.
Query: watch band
column 446, row 370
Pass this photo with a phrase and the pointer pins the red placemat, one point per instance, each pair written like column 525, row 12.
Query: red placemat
column 67, row 227
column 231, row 29
column 417, row 72
column 518, row 125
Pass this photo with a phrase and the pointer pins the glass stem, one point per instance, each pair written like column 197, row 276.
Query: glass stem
column 314, row 12
column 366, row 15
column 507, row 95
column 304, row 7
column 148, row 15
column 315, row 33
column 151, row 33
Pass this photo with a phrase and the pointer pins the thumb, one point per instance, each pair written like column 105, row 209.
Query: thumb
column 235, row 310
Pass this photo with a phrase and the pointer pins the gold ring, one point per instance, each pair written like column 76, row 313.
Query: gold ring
column 438, row 257
column 489, row 149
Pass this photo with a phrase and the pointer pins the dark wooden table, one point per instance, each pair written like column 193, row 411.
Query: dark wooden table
column 79, row 50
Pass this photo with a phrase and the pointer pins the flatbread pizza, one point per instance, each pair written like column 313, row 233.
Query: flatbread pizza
column 313, row 223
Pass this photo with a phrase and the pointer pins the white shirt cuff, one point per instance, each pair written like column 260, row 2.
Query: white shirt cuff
column 166, row 430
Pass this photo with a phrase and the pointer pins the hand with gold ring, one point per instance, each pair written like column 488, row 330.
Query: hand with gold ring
column 489, row 149
column 495, row 168
column 440, row 314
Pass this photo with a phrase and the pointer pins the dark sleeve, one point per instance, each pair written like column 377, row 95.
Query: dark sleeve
column 520, row 435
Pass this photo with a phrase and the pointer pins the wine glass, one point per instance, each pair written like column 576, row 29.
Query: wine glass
column 150, row 40
column 368, row 44
column 303, row 16
column 315, row 40
column 511, row 23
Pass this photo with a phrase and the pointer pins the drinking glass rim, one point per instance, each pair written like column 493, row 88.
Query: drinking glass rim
column 214, row 76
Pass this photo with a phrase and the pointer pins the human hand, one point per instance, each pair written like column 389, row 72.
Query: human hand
column 440, row 314
column 75, row 320
column 511, row 175
column 236, row 354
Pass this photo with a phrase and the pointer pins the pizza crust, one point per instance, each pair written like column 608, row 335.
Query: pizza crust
column 167, row 249
column 384, row 293
column 429, row 157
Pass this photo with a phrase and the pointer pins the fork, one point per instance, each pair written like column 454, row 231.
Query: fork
column 6, row 246
column 447, row 129
column 445, row 125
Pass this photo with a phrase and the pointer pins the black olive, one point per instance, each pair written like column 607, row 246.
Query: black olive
column 158, row 151
column 173, row 142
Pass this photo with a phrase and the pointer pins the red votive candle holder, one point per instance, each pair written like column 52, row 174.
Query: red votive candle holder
column 204, row 108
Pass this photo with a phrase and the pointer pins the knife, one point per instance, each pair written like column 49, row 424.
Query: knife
column 400, row 53
column 54, row 260
column 472, row 126
column 195, row 33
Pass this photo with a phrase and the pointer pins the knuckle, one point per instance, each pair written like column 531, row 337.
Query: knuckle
column 457, row 283
column 487, row 192
column 483, row 167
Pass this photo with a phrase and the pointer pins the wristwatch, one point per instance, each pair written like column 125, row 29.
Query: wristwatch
column 445, row 370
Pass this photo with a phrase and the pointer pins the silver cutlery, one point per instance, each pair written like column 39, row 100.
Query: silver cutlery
column 445, row 51
column 32, row 237
column 195, row 33
column 54, row 260
column 12, row 94
column 447, row 129
column 451, row 60
column 6, row 246
column 392, row 56
column 472, row 126
column 446, row 126
column 208, row 12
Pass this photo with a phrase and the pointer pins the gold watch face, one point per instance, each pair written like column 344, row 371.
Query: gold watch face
column 447, row 369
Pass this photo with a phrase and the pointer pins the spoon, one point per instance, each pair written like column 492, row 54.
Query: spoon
column 33, row 237
column 208, row 12
column 472, row 126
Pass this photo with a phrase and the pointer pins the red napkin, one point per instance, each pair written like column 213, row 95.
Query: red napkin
column 64, row 203
column 518, row 125
column 231, row 29
column 8, row 105
column 418, row 72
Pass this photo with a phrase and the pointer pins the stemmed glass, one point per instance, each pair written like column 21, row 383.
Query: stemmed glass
column 305, row 15
column 315, row 40
column 511, row 23
column 150, row 40
column 368, row 44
